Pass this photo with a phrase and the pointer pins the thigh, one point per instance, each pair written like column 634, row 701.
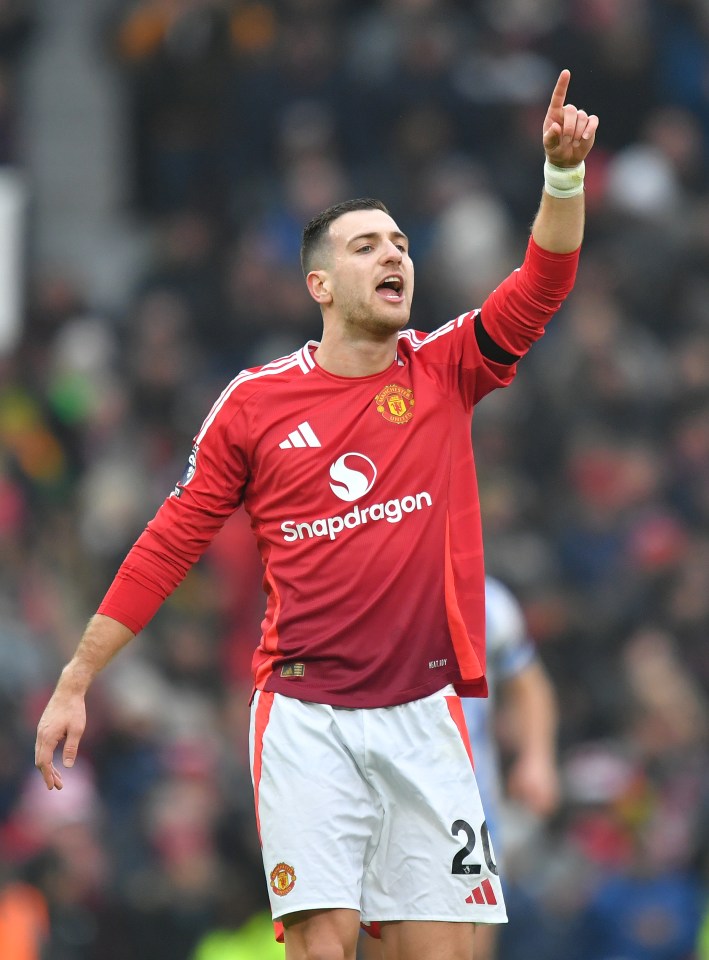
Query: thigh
column 316, row 814
column 400, row 941
column 321, row 933
column 434, row 860
column 428, row 940
column 486, row 937
column 369, row 948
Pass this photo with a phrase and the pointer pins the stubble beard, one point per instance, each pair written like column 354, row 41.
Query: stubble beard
column 360, row 319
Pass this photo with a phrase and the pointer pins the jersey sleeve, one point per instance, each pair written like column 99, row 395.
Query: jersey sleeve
column 515, row 314
column 478, row 352
column 210, row 490
column 509, row 646
column 453, row 356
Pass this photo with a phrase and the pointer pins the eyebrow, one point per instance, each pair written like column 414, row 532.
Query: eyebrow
column 395, row 234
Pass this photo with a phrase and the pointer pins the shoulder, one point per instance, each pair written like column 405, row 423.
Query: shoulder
column 254, row 382
column 415, row 341
column 293, row 366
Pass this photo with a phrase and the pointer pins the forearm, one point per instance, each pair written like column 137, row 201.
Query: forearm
column 533, row 778
column 559, row 224
column 158, row 561
column 534, row 708
column 516, row 312
column 103, row 638
column 64, row 716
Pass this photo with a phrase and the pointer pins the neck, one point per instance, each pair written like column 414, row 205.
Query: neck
column 347, row 357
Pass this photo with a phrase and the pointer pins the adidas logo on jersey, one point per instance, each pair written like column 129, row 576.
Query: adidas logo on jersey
column 483, row 893
column 302, row 436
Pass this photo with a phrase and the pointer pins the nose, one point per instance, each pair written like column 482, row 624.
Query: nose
column 391, row 252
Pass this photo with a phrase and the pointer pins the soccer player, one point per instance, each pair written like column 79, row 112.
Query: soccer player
column 353, row 459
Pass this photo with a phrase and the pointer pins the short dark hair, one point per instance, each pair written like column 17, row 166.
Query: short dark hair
column 315, row 232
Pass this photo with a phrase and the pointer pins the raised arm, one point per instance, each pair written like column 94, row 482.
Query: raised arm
column 568, row 136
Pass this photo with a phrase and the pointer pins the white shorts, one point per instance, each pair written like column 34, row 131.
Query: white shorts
column 375, row 810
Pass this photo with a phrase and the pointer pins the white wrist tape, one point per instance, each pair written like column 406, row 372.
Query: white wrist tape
column 563, row 182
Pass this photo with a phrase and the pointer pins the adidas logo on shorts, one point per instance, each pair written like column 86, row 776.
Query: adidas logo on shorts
column 483, row 893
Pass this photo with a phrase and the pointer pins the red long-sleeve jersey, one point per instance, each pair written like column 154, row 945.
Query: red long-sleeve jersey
column 363, row 501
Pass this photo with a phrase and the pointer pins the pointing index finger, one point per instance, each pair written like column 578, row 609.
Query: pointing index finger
column 559, row 95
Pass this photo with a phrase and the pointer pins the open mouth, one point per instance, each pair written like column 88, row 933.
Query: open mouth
column 392, row 289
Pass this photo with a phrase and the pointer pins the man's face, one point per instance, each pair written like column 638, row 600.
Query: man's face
column 369, row 275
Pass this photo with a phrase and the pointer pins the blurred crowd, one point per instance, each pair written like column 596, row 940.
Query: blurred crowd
column 246, row 117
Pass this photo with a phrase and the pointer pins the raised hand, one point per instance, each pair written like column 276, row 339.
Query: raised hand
column 568, row 132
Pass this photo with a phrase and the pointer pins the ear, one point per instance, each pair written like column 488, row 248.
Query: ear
column 318, row 284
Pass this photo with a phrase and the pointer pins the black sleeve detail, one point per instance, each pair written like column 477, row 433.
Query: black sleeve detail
column 489, row 348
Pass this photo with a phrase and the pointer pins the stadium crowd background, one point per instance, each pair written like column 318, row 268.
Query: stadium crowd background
column 241, row 120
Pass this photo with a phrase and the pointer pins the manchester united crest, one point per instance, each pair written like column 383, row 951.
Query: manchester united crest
column 282, row 879
column 395, row 403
